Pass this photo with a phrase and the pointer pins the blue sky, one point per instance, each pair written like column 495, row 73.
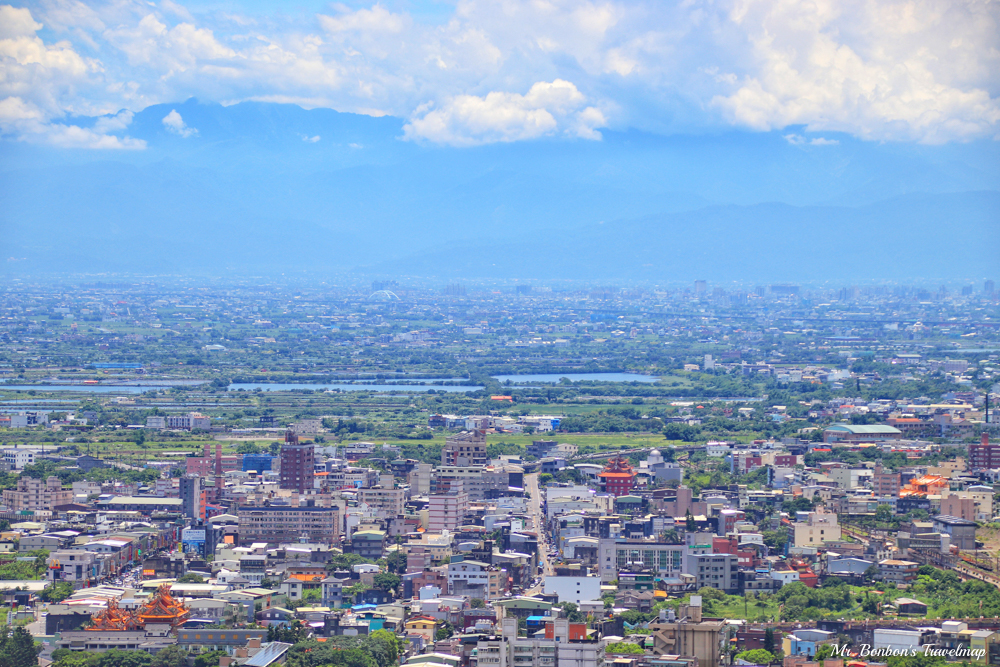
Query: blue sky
column 484, row 71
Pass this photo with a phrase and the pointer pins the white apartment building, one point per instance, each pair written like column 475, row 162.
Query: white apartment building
column 468, row 575
column 26, row 419
column 18, row 458
column 616, row 555
column 189, row 422
column 851, row 478
column 509, row 650
column 574, row 589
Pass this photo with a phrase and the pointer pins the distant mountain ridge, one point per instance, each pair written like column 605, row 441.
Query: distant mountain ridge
column 263, row 188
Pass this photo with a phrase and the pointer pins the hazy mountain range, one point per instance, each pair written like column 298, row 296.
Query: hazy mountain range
column 264, row 188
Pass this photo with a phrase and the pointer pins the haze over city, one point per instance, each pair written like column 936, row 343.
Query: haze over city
column 629, row 141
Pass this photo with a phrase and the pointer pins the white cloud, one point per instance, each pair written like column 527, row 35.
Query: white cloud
column 115, row 123
column 308, row 139
column 27, row 122
column 174, row 123
column 546, row 109
column 14, row 110
column 17, row 22
column 40, row 83
column 180, row 48
column 907, row 70
column 375, row 20
column 72, row 136
column 924, row 70
column 176, row 9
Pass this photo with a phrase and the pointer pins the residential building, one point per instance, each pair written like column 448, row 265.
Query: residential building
column 283, row 523
column 806, row 641
column 467, row 448
column 714, row 570
column 984, row 456
column 963, row 508
column 18, row 458
column 898, row 571
column 573, row 589
column 189, row 422
column 35, row 494
column 565, row 644
column 297, row 465
column 885, row 483
column 961, row 531
column 687, row 634
column 817, row 528
column 191, row 497
column 446, row 511
column 615, row 555
column 384, row 500
column 468, row 578
column 368, row 543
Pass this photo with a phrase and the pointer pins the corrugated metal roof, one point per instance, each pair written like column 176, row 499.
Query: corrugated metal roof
column 268, row 654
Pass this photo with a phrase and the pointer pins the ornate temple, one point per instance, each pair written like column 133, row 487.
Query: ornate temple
column 618, row 477
column 162, row 609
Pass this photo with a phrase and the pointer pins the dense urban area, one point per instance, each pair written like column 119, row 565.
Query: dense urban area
column 218, row 474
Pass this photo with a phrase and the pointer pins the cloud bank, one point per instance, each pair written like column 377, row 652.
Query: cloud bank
column 512, row 70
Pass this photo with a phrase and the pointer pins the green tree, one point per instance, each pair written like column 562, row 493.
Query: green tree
column 57, row 591
column 624, row 647
column 209, row 659
column 395, row 562
column 757, row 656
column 477, row 603
column 312, row 653
column 171, row 656
column 116, row 658
column 293, row 634
column 17, row 648
column 386, row 581
column 444, row 631
column 775, row 539
column 689, row 522
column 64, row 657
column 190, row 578
column 825, row 651
column 385, row 647
column 769, row 640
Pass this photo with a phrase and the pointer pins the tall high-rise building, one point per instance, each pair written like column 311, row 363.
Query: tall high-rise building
column 297, row 464
column 190, row 493
column 700, row 287
column 989, row 287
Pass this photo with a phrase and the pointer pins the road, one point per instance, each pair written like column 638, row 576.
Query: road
column 540, row 527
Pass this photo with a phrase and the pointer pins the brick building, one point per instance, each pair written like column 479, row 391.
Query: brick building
column 297, row 464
